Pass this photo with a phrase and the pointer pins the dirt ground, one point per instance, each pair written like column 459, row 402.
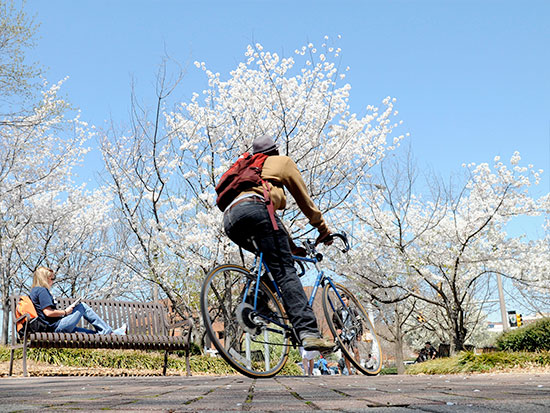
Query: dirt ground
column 35, row 368
column 38, row 369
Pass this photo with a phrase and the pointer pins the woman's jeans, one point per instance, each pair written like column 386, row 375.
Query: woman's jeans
column 250, row 220
column 68, row 323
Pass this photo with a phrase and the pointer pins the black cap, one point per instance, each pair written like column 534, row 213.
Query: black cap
column 263, row 144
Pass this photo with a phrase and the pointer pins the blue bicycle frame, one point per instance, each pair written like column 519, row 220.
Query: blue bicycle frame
column 319, row 282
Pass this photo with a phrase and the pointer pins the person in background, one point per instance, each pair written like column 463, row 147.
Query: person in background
column 308, row 360
column 342, row 366
column 427, row 353
column 370, row 362
column 66, row 320
column 430, row 351
column 323, row 365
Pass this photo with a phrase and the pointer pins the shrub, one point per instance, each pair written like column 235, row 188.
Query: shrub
column 533, row 337
column 468, row 362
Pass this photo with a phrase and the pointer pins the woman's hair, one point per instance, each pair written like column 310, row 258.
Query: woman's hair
column 41, row 277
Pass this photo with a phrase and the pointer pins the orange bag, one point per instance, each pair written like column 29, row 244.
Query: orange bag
column 25, row 306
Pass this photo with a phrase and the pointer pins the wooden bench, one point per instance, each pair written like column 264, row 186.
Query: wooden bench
column 148, row 329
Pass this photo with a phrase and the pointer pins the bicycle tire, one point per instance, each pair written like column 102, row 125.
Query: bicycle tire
column 357, row 338
column 255, row 346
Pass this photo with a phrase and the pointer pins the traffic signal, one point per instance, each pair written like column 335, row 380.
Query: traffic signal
column 519, row 320
column 512, row 318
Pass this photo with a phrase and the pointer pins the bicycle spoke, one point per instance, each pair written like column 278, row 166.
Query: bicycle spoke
column 254, row 342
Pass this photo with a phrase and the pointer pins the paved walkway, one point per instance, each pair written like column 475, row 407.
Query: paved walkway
column 518, row 393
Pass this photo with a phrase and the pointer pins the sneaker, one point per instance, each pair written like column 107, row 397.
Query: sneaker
column 121, row 331
column 317, row 343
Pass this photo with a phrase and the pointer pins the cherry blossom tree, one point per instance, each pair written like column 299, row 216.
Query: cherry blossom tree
column 45, row 219
column 395, row 320
column 41, row 208
column 444, row 245
column 76, row 240
column 164, row 170
column 18, row 78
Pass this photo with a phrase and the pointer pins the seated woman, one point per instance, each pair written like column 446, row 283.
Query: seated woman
column 64, row 321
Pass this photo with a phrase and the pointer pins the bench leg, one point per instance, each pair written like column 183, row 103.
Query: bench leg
column 25, row 359
column 187, row 364
column 188, row 349
column 12, row 355
column 165, row 363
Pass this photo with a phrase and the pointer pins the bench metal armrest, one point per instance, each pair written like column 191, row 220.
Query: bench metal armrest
column 26, row 315
column 16, row 336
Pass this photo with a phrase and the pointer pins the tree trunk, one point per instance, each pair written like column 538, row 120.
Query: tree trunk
column 5, row 319
column 399, row 355
column 459, row 332
column 398, row 343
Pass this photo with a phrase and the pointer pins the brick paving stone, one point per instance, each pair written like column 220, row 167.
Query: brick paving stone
column 509, row 407
column 465, row 408
column 380, row 410
column 525, row 393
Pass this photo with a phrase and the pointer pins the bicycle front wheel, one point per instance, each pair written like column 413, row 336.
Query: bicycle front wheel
column 248, row 329
column 352, row 328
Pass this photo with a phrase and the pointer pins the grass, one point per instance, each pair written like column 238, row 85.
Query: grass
column 133, row 360
column 388, row 370
column 468, row 362
column 114, row 362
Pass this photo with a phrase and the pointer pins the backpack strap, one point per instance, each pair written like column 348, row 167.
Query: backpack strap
column 269, row 205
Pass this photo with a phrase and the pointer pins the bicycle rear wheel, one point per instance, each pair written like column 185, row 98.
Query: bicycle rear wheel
column 352, row 329
column 255, row 343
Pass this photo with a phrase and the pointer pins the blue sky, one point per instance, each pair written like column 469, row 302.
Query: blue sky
column 471, row 78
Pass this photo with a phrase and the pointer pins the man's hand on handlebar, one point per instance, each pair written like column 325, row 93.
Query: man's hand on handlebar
column 326, row 238
column 329, row 237
column 299, row 252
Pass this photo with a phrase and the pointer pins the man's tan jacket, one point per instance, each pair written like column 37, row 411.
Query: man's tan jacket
column 281, row 171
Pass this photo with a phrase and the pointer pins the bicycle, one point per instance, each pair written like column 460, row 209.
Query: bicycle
column 246, row 322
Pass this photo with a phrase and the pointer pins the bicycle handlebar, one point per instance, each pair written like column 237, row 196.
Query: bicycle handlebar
column 310, row 251
column 344, row 239
column 342, row 236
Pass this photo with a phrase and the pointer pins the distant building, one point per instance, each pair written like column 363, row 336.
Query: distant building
column 495, row 327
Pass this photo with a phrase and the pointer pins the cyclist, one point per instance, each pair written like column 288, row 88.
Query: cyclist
column 247, row 222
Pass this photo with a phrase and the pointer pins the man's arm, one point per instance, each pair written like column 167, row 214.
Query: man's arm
column 292, row 179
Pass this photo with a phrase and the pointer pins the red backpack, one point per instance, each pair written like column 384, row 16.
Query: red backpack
column 245, row 173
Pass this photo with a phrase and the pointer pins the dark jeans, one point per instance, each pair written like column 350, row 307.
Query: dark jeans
column 250, row 220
